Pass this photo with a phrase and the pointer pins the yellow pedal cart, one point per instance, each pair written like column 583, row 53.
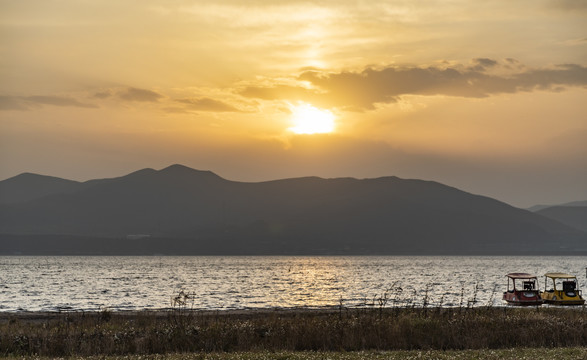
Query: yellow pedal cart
column 564, row 290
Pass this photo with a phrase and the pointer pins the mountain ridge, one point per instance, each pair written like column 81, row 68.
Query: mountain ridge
column 573, row 215
column 28, row 186
column 204, row 213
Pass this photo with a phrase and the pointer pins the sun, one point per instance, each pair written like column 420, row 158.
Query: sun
column 308, row 119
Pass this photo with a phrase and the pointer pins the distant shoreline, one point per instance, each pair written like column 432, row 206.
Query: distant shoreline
column 553, row 254
column 153, row 246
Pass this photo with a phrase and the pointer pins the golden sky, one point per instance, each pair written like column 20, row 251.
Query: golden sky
column 486, row 96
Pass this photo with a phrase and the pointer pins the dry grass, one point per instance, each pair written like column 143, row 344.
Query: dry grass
column 485, row 354
column 341, row 331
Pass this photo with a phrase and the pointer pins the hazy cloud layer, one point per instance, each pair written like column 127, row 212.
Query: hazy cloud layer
column 12, row 103
column 31, row 102
column 134, row 94
column 103, row 94
column 570, row 5
column 207, row 104
column 361, row 90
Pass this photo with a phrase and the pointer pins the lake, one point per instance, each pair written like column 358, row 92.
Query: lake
column 240, row 282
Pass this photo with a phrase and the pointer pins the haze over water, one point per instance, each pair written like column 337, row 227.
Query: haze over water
column 219, row 283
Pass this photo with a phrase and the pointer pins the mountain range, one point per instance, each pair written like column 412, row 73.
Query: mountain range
column 183, row 211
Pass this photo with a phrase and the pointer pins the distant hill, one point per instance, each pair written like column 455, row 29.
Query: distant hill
column 179, row 210
column 536, row 208
column 576, row 203
column 574, row 216
column 25, row 187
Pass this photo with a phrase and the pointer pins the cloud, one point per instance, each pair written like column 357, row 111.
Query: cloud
column 575, row 42
column 30, row 102
column 207, row 104
column 275, row 92
column 57, row 101
column 134, row 94
column 569, row 5
column 362, row 90
column 482, row 64
column 103, row 94
column 12, row 103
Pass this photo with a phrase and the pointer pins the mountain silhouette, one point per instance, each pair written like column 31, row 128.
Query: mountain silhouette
column 27, row 186
column 574, row 215
column 179, row 210
column 537, row 208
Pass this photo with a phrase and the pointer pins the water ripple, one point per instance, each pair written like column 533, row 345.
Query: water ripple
column 135, row 283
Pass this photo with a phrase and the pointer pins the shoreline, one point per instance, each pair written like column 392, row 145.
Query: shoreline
column 159, row 312
column 40, row 316
column 165, row 312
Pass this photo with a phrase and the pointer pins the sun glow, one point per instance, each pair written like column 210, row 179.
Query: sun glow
column 310, row 120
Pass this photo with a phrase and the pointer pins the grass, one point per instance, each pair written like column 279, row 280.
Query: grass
column 485, row 354
column 298, row 334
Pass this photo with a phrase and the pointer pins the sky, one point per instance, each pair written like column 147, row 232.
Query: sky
column 486, row 96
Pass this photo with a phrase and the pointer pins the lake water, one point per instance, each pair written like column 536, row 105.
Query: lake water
column 217, row 283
